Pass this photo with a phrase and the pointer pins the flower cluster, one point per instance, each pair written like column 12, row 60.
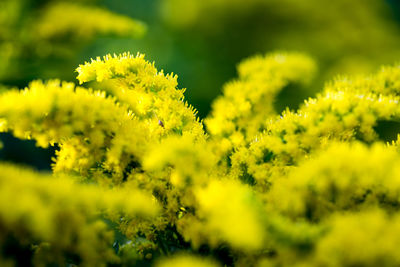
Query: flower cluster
column 54, row 219
column 311, row 187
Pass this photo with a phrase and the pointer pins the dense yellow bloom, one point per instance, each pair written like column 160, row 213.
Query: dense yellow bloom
column 343, row 177
column 174, row 168
column 249, row 100
column 227, row 212
column 59, row 217
column 359, row 238
column 87, row 125
column 191, row 163
column 149, row 93
column 297, row 189
column 348, row 109
column 240, row 114
column 366, row 239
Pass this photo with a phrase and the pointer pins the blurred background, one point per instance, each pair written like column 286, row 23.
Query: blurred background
column 200, row 40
